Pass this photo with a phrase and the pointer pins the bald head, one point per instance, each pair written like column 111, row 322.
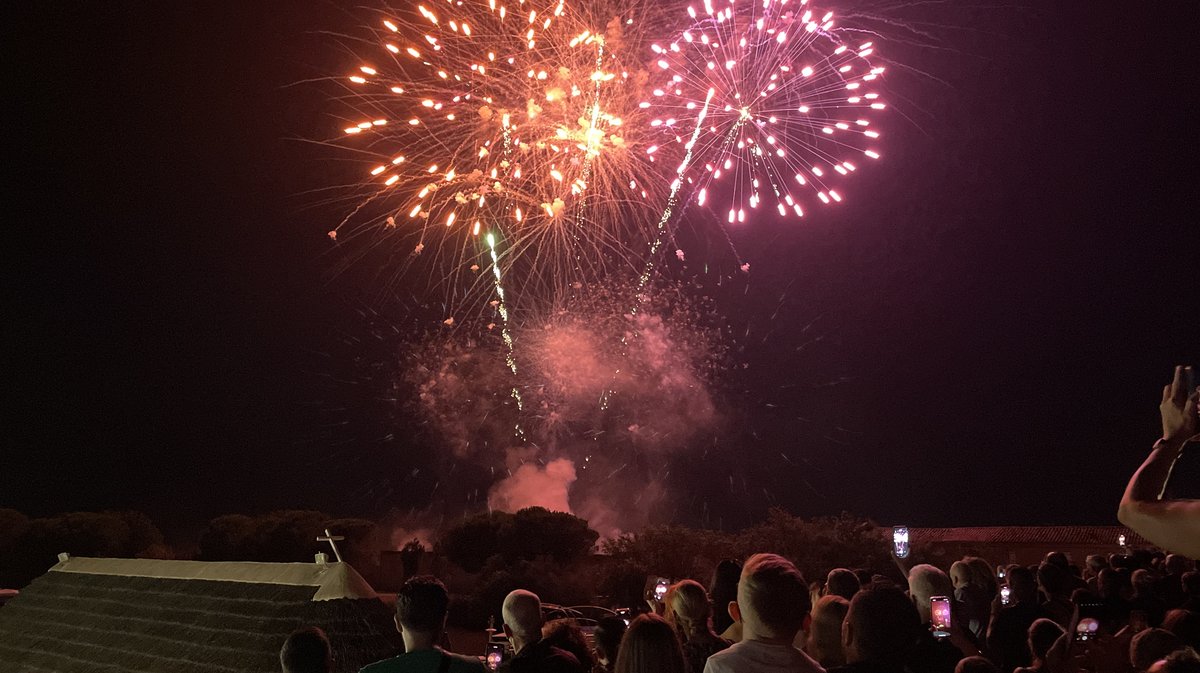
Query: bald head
column 925, row 582
column 522, row 613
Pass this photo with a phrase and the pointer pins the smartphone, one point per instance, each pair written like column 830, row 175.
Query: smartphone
column 939, row 611
column 1000, row 572
column 1005, row 595
column 900, row 541
column 1088, row 627
column 493, row 656
column 656, row 587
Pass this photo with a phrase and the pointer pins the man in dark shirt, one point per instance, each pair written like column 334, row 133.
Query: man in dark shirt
column 522, row 612
column 880, row 631
column 1010, row 627
column 421, row 608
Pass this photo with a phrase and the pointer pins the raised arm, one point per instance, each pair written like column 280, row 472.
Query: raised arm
column 1171, row 524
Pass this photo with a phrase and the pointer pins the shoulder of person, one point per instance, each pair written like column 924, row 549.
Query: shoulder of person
column 464, row 664
column 559, row 654
column 809, row 664
column 385, row 666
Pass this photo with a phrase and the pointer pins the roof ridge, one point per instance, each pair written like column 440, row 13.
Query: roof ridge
column 332, row 580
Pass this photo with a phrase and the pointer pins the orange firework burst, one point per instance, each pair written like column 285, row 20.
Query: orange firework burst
column 510, row 120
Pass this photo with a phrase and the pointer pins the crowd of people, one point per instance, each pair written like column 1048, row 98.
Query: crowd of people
column 1141, row 614
column 1124, row 613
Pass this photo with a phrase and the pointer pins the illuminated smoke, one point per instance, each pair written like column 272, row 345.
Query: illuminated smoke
column 603, row 463
column 534, row 486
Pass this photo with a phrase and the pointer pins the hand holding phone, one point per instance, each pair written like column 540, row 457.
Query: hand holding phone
column 1088, row 626
column 939, row 612
column 1005, row 595
column 493, row 656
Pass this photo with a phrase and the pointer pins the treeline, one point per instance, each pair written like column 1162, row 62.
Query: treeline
column 28, row 547
column 481, row 557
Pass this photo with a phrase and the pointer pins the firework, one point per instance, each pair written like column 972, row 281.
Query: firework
column 513, row 120
column 769, row 100
column 667, row 357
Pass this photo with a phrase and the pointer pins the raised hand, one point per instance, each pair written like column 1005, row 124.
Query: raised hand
column 1179, row 408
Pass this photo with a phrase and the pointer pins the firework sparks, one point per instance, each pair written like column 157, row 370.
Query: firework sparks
column 484, row 118
column 783, row 104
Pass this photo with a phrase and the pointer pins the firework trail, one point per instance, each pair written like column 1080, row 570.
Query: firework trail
column 674, row 354
column 502, row 308
column 784, row 103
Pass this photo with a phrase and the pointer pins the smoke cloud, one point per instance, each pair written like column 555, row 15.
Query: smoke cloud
column 534, row 486
column 610, row 398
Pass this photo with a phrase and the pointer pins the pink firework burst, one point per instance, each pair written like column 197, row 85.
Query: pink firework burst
column 763, row 103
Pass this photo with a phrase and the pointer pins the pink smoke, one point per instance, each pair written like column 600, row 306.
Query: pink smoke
column 533, row 486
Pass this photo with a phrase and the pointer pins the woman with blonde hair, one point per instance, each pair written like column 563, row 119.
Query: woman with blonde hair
column 690, row 612
column 974, row 591
column 650, row 646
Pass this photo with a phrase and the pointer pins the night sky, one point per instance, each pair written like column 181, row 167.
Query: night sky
column 998, row 302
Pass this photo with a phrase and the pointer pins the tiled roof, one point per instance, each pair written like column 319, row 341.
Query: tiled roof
column 69, row 622
column 1102, row 537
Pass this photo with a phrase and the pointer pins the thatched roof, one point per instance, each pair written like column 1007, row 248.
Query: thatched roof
column 1102, row 537
column 133, row 615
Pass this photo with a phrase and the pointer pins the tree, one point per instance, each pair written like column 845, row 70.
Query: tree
column 105, row 534
column 814, row 545
column 13, row 525
column 226, row 538
column 475, row 539
column 529, row 534
column 283, row 536
column 538, row 532
column 675, row 551
column 820, row 544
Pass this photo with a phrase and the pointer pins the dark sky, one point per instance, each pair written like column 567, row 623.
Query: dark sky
column 1003, row 295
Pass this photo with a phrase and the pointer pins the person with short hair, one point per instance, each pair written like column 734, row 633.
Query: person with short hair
column 932, row 654
column 1151, row 645
column 1055, row 584
column 772, row 605
column 1189, row 583
column 421, row 608
column 723, row 591
column 1185, row 624
column 1170, row 583
column 306, row 650
column 1180, row 661
column 650, row 646
column 824, row 638
column 1043, row 634
column 522, row 612
column 881, row 630
column 690, row 613
column 842, row 582
column 1146, row 598
column 565, row 634
column 1008, row 634
column 606, row 641
column 1095, row 563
